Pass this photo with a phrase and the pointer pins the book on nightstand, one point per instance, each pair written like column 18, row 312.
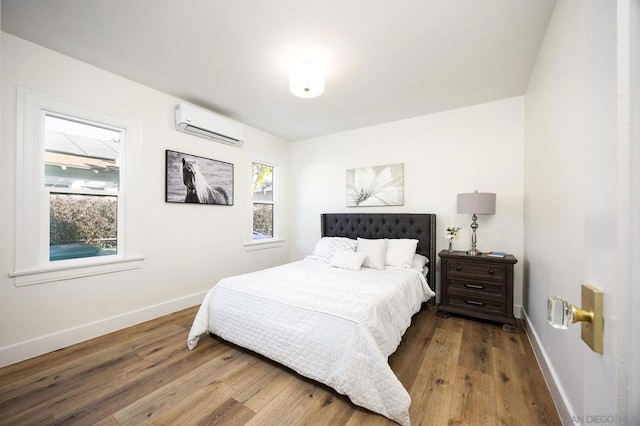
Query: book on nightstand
column 496, row 254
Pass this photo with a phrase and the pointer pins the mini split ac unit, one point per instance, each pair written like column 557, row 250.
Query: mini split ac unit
column 206, row 124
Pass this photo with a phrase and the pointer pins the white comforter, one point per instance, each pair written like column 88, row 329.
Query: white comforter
column 332, row 325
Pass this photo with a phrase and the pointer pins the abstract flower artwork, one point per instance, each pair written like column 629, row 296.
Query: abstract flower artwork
column 376, row 186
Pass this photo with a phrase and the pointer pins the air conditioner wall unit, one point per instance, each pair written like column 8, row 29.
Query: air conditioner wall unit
column 206, row 124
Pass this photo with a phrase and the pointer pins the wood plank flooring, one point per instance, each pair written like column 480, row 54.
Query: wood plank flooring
column 458, row 372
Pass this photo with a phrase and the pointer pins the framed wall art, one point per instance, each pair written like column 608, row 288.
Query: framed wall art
column 194, row 179
column 376, row 186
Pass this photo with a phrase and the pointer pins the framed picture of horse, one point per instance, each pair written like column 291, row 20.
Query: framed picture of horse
column 194, row 179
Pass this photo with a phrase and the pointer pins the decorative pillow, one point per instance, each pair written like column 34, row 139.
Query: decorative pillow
column 400, row 252
column 419, row 262
column 322, row 246
column 375, row 250
column 340, row 244
column 348, row 260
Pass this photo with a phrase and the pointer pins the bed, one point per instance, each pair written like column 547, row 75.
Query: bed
column 326, row 317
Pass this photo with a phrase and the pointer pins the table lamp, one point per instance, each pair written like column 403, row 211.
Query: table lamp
column 476, row 203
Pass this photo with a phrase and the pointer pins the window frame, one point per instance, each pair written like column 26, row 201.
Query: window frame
column 119, row 194
column 32, row 264
column 271, row 203
column 276, row 240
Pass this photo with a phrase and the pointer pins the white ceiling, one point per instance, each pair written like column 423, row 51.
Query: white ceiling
column 385, row 60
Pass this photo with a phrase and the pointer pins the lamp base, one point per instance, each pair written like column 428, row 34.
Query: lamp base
column 474, row 252
column 474, row 225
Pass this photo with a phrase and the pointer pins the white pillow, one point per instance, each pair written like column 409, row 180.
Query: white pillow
column 340, row 244
column 400, row 252
column 322, row 247
column 348, row 260
column 375, row 250
column 419, row 262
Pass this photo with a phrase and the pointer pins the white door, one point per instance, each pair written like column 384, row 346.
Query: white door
column 608, row 220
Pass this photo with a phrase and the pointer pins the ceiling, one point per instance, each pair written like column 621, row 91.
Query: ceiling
column 384, row 60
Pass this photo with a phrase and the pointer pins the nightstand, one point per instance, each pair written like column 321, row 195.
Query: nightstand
column 477, row 286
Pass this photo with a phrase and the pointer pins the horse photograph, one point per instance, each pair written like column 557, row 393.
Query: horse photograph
column 194, row 179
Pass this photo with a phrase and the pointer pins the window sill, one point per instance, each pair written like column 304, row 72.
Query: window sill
column 45, row 275
column 263, row 244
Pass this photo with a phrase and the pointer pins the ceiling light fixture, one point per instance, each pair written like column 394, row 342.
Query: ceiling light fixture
column 306, row 80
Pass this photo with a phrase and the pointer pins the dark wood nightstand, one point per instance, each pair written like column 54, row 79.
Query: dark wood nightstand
column 477, row 286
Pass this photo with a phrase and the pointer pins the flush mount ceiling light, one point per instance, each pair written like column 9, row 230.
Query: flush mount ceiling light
column 306, row 80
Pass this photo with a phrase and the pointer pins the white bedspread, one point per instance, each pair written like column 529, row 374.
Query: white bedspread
column 332, row 325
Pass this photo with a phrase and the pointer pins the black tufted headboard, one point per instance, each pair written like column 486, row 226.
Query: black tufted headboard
column 383, row 225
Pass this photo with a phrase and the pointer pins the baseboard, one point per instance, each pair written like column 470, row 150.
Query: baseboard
column 54, row 341
column 565, row 411
column 517, row 311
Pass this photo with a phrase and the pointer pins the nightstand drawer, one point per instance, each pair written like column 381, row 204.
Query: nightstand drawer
column 476, row 304
column 476, row 288
column 477, row 270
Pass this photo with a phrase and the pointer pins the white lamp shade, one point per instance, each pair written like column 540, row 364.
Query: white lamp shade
column 306, row 80
column 477, row 203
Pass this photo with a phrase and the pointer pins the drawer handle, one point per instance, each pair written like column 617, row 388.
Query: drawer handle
column 480, row 287
column 473, row 302
column 491, row 271
column 458, row 268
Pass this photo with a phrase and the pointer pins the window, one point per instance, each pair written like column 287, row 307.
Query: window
column 82, row 178
column 263, row 201
column 72, row 179
column 265, row 216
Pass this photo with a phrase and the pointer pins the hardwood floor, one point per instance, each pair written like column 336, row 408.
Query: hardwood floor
column 457, row 371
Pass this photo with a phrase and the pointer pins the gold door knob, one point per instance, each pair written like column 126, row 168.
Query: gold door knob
column 561, row 313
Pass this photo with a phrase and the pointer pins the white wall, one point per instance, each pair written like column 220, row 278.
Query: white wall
column 478, row 147
column 187, row 247
column 554, row 162
column 632, row 112
column 574, row 192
